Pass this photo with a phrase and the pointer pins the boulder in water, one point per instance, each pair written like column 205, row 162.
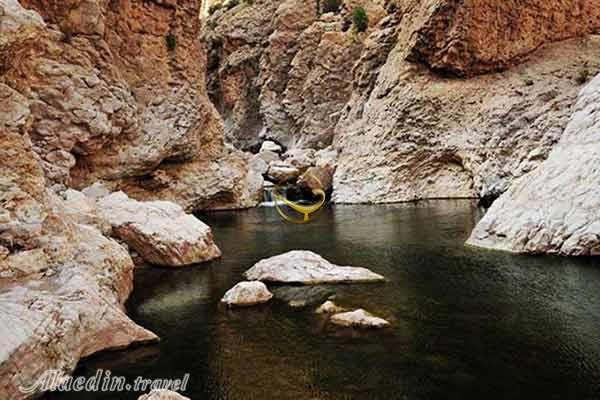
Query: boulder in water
column 359, row 319
column 306, row 267
column 247, row 294
column 160, row 231
column 162, row 394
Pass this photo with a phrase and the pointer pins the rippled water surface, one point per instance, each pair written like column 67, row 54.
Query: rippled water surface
column 466, row 323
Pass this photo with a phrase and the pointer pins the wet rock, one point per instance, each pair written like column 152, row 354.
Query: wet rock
column 300, row 266
column 359, row 319
column 161, row 232
column 555, row 208
column 329, row 307
column 161, row 394
column 299, row 297
column 247, row 294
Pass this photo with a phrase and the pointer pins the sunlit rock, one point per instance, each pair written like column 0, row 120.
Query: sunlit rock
column 358, row 319
column 161, row 232
column 556, row 208
column 162, row 394
column 300, row 266
column 247, row 294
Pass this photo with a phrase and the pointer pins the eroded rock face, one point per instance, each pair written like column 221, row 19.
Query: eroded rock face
column 300, row 266
column 474, row 36
column 161, row 232
column 280, row 70
column 57, row 276
column 116, row 91
column 556, row 207
column 411, row 134
column 247, row 294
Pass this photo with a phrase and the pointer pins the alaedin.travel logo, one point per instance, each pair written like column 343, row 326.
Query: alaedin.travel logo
column 102, row 381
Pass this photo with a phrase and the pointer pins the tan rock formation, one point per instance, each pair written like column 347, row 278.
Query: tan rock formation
column 410, row 134
column 161, row 394
column 556, row 207
column 475, row 36
column 160, row 231
column 279, row 70
column 359, row 319
column 62, row 284
column 116, row 91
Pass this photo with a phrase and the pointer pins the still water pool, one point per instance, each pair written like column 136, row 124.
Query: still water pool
column 466, row 323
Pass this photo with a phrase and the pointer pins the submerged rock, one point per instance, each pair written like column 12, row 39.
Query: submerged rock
column 329, row 307
column 162, row 394
column 301, row 266
column 359, row 319
column 302, row 296
column 247, row 294
column 555, row 208
column 161, row 232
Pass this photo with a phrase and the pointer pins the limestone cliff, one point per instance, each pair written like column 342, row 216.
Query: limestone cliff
column 411, row 130
column 117, row 92
column 555, row 208
column 56, row 276
column 280, row 70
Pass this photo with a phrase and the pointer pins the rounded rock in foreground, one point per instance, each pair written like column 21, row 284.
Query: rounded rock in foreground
column 162, row 394
column 359, row 319
column 247, row 294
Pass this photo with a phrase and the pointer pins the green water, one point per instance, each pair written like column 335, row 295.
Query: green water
column 466, row 323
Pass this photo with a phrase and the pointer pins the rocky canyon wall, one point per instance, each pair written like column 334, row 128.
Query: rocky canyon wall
column 555, row 208
column 117, row 93
column 280, row 70
column 412, row 130
column 437, row 99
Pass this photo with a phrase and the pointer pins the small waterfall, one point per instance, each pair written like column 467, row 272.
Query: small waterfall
column 268, row 198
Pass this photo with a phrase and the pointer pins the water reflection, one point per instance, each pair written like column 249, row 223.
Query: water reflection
column 467, row 323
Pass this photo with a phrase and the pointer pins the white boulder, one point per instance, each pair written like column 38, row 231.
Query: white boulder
column 160, row 231
column 162, row 394
column 359, row 319
column 301, row 266
column 247, row 294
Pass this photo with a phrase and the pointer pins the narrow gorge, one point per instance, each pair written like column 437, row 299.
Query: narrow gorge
column 147, row 141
